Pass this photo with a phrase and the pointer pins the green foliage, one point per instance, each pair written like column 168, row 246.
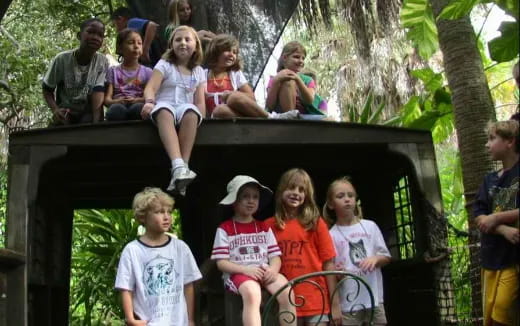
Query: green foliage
column 417, row 17
column 3, row 201
column 370, row 112
column 505, row 47
column 432, row 110
column 457, row 9
column 98, row 239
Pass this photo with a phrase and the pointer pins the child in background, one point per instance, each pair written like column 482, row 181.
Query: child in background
column 123, row 18
column 179, row 13
column 360, row 250
column 125, row 83
column 156, row 272
column 306, row 247
column 174, row 97
column 228, row 93
column 496, row 214
column 290, row 89
column 247, row 253
column 318, row 102
column 73, row 86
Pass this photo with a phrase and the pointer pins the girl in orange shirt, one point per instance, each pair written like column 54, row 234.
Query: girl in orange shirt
column 306, row 247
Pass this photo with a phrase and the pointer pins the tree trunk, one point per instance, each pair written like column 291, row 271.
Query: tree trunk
column 473, row 108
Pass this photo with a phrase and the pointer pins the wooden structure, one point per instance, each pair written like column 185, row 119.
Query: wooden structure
column 52, row 172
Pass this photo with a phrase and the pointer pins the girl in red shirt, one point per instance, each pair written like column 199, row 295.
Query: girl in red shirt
column 306, row 247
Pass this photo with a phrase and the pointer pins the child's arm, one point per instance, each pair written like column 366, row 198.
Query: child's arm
column 332, row 282
column 370, row 263
column 96, row 101
column 226, row 266
column 271, row 270
column 149, row 35
column 189, row 296
column 48, row 96
column 109, row 100
column 128, row 309
column 486, row 223
column 306, row 93
column 511, row 234
column 198, row 99
column 149, row 93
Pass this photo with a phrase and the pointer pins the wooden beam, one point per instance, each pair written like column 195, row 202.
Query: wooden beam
column 223, row 133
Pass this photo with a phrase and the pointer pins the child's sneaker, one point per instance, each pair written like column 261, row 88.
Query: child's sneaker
column 293, row 114
column 181, row 178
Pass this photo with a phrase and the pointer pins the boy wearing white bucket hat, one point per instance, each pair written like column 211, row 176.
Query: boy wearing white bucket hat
column 247, row 253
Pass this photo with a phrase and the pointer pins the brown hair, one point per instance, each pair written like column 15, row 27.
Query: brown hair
column 289, row 49
column 308, row 214
column 122, row 36
column 219, row 44
column 329, row 214
column 196, row 57
column 507, row 129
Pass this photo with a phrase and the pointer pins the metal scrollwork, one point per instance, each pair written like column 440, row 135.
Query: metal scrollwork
column 268, row 317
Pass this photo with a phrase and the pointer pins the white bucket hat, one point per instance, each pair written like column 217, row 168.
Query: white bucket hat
column 238, row 182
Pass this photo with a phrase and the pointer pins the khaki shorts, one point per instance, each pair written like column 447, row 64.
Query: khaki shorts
column 500, row 295
column 362, row 316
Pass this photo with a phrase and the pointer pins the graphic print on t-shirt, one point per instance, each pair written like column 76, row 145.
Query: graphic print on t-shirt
column 160, row 276
column 357, row 252
column 504, row 198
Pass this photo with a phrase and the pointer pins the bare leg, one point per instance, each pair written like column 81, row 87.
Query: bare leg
column 245, row 106
column 251, row 297
column 287, row 96
column 286, row 304
column 187, row 133
column 223, row 111
column 168, row 134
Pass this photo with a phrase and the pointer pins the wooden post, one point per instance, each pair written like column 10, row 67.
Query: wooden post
column 24, row 169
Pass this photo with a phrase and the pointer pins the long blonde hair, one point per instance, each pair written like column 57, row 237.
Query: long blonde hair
column 287, row 50
column 173, row 12
column 308, row 214
column 329, row 214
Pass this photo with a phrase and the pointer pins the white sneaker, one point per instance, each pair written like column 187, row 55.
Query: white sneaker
column 181, row 178
column 293, row 114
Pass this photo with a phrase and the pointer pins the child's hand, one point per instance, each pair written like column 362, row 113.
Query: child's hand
column 269, row 274
column 62, row 115
column 486, row 223
column 145, row 111
column 256, row 273
column 131, row 100
column 368, row 264
column 511, row 234
column 286, row 75
column 136, row 322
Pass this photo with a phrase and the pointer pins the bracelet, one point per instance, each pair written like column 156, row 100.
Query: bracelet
column 149, row 100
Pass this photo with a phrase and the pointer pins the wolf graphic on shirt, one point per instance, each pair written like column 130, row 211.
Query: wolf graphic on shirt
column 159, row 276
column 357, row 252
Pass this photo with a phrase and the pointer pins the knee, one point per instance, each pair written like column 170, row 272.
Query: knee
column 251, row 295
column 284, row 298
column 236, row 98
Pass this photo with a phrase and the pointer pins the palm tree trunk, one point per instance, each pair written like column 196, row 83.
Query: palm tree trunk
column 473, row 108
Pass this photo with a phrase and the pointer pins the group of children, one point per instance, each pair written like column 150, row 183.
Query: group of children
column 178, row 93
column 253, row 254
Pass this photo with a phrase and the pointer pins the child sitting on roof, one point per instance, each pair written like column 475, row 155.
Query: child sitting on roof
column 123, row 18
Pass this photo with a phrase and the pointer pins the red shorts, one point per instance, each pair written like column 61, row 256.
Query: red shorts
column 235, row 280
